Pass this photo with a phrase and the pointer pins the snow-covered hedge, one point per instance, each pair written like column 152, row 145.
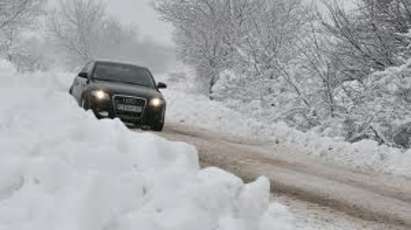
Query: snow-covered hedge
column 62, row 169
column 216, row 116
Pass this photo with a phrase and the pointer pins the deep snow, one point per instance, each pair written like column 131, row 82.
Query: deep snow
column 60, row 168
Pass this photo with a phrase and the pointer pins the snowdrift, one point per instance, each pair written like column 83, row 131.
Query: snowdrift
column 62, row 169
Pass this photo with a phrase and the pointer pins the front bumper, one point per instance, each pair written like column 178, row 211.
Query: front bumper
column 150, row 116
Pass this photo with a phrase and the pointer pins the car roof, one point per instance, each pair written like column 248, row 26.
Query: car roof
column 119, row 63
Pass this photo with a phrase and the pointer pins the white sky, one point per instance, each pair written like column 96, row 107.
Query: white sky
column 140, row 13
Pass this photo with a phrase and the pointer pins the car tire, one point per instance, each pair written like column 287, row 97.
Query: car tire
column 84, row 104
column 158, row 127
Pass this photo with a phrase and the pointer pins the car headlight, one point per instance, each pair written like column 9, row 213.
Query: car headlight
column 100, row 95
column 156, row 102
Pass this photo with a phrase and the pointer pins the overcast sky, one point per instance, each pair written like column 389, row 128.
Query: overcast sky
column 140, row 12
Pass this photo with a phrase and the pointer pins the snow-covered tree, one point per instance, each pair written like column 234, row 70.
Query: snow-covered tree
column 206, row 32
column 345, row 73
column 18, row 13
column 76, row 27
column 371, row 52
column 16, row 17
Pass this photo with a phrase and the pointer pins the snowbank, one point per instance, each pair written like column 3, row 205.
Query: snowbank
column 62, row 169
column 201, row 112
column 198, row 111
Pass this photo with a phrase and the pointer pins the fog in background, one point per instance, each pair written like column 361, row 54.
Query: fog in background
column 156, row 48
column 149, row 41
column 140, row 13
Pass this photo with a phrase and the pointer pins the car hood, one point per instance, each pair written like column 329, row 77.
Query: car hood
column 115, row 88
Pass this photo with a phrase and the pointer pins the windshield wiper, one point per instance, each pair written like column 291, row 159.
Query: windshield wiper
column 109, row 80
column 122, row 82
column 134, row 83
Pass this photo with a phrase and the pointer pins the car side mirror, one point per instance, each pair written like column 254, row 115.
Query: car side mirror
column 161, row 85
column 83, row 75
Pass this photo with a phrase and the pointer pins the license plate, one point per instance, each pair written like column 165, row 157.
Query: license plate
column 130, row 108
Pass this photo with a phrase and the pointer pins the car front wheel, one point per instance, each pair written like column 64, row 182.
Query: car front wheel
column 158, row 127
column 85, row 104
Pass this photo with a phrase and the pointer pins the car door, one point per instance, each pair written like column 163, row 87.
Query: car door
column 81, row 81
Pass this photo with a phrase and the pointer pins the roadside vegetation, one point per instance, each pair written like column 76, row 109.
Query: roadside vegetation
column 340, row 71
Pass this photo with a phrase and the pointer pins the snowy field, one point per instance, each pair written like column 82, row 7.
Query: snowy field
column 62, row 169
column 199, row 111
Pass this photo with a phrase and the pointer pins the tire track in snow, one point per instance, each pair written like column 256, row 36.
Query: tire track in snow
column 366, row 196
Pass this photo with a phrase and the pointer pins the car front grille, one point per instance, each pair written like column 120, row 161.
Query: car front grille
column 129, row 101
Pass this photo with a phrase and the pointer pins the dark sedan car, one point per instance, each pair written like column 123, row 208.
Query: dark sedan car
column 120, row 90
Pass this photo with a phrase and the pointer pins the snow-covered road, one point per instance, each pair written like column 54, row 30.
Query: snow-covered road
column 376, row 201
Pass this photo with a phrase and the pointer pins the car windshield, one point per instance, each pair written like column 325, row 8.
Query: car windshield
column 123, row 73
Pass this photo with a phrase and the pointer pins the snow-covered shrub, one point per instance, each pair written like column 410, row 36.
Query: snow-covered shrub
column 386, row 102
column 225, row 118
column 402, row 136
